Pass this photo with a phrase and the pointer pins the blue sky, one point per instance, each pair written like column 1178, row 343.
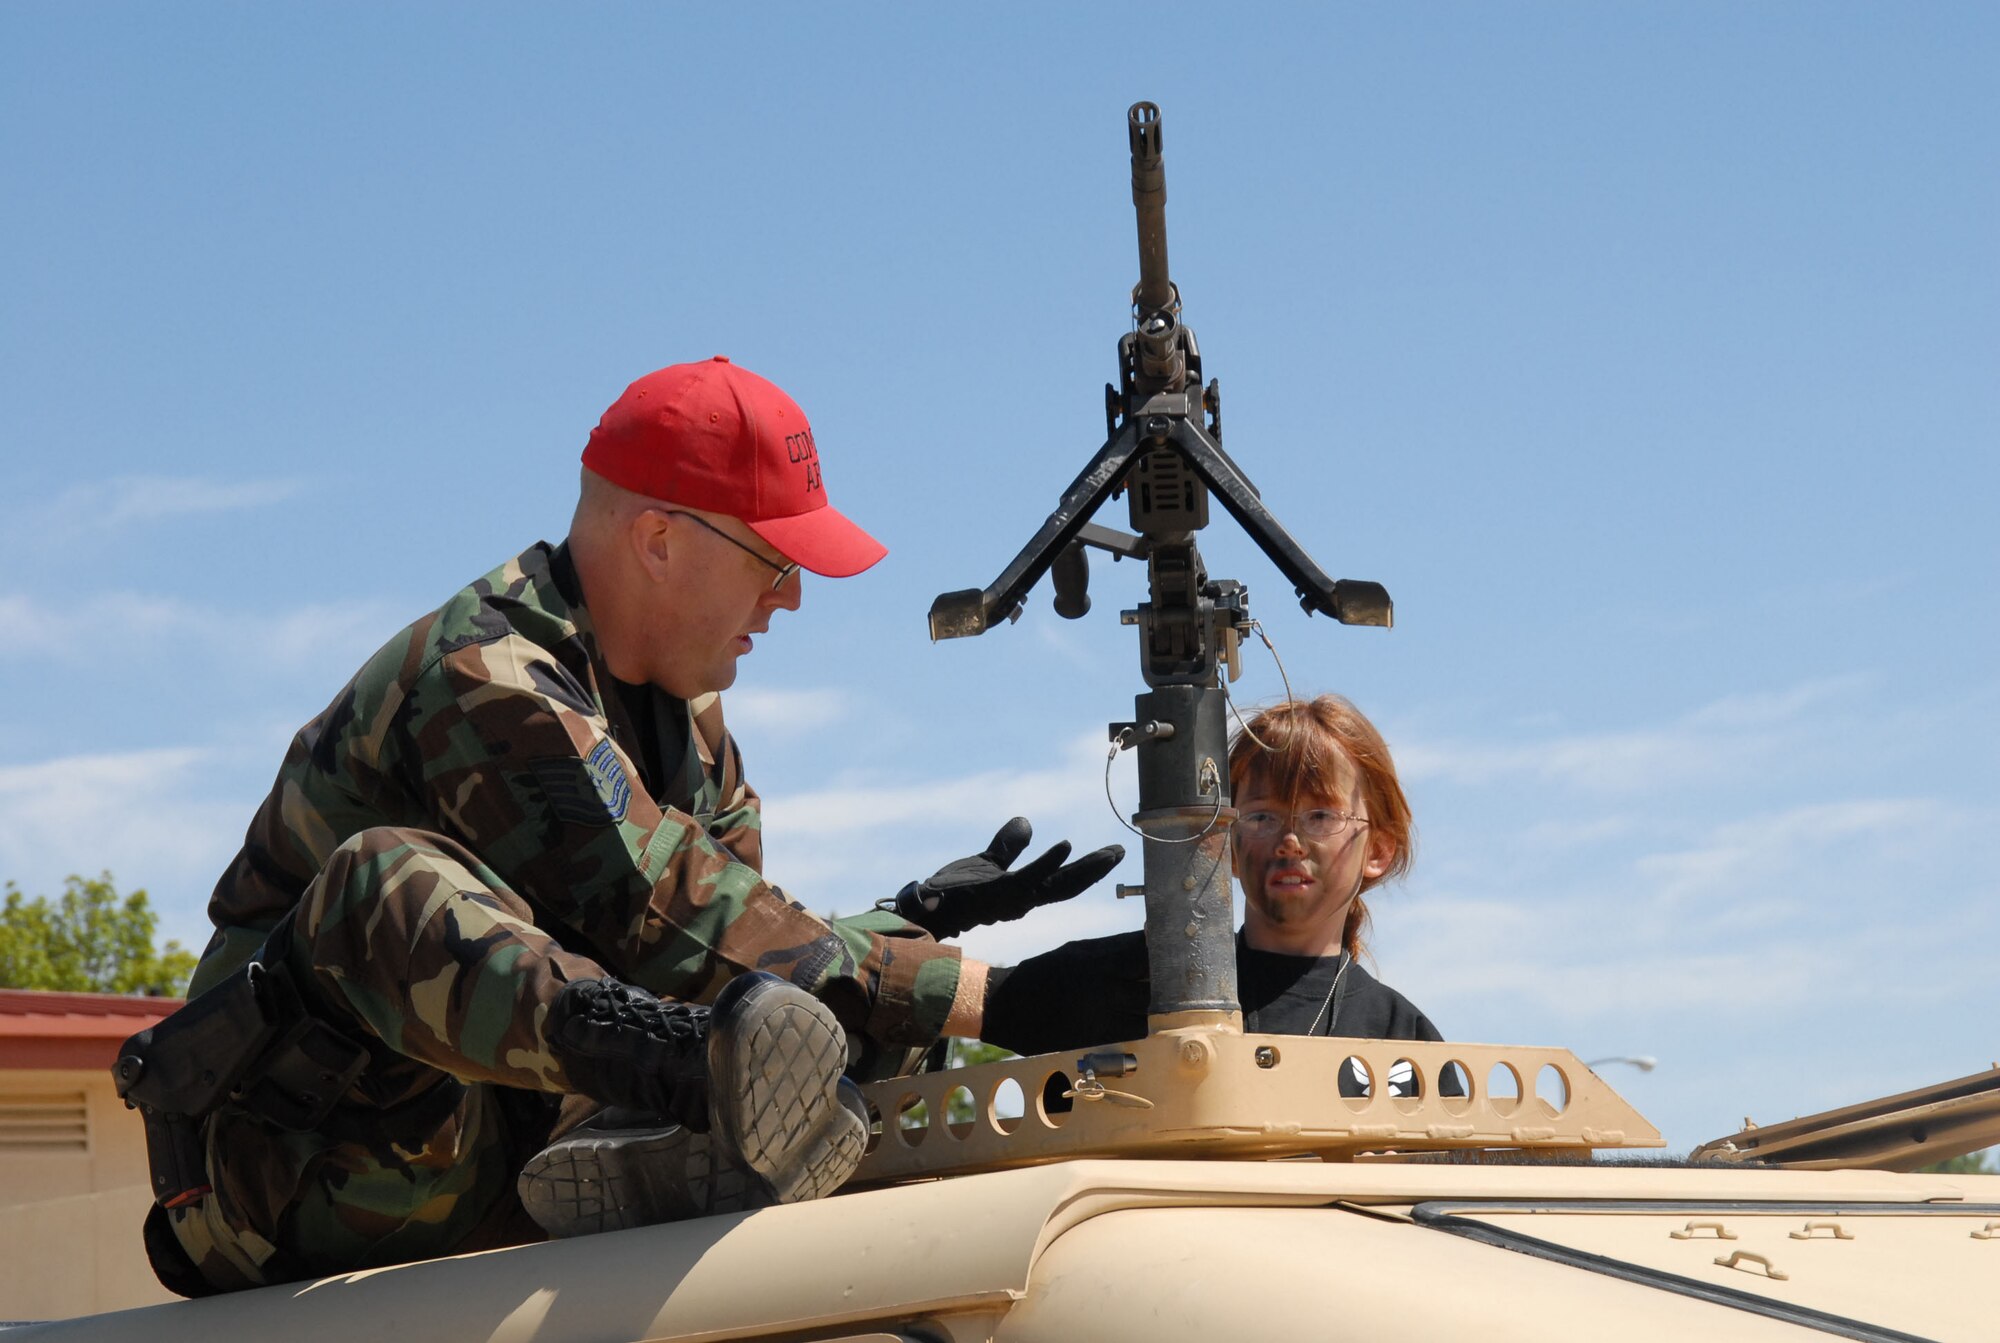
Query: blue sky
column 1646, row 353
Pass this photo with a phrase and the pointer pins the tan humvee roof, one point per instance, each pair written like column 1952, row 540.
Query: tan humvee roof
column 1164, row 1250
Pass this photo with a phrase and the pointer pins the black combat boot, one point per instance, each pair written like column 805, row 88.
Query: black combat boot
column 708, row 1109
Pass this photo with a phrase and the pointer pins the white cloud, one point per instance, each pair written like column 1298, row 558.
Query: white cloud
column 46, row 629
column 786, row 712
column 111, row 625
column 1607, row 761
column 1770, row 887
column 1565, row 833
column 1777, row 706
column 992, row 795
column 1073, row 783
column 1064, row 644
column 125, row 500
column 339, row 633
column 1759, row 855
column 1727, row 738
column 1814, row 937
column 843, row 847
column 154, row 818
column 1584, row 981
column 57, row 782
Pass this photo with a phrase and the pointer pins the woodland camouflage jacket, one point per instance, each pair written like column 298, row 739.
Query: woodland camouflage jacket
column 620, row 814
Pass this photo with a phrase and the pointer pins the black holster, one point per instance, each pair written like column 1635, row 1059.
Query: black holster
column 250, row 1041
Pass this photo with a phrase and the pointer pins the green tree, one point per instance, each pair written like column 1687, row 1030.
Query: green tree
column 958, row 1110
column 91, row 940
column 1972, row 1163
column 964, row 1054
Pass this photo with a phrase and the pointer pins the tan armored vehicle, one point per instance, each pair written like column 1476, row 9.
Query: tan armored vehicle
column 1203, row 1183
column 1218, row 1187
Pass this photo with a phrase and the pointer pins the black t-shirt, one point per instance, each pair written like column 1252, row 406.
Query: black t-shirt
column 1095, row 992
column 1292, row 995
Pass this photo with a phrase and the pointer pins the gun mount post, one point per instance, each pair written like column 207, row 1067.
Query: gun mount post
column 1163, row 449
column 1185, row 816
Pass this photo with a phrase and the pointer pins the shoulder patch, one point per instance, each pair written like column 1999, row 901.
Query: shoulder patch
column 591, row 791
column 607, row 775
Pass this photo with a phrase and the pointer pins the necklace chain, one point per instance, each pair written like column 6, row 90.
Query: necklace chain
column 1331, row 995
column 1332, row 1000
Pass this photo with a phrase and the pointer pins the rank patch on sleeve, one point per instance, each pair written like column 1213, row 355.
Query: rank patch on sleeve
column 590, row 791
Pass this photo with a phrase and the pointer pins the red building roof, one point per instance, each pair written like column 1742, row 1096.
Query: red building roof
column 71, row 1030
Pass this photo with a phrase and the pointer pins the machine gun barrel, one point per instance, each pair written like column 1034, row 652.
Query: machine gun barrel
column 1164, row 350
column 1155, row 291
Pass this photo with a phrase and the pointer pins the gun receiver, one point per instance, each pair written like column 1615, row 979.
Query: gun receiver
column 1163, row 451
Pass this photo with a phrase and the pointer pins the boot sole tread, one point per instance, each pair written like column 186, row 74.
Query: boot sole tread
column 775, row 1089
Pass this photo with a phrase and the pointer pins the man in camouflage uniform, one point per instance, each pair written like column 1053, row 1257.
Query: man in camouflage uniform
column 519, row 828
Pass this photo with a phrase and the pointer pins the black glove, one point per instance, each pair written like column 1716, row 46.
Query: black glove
column 980, row 890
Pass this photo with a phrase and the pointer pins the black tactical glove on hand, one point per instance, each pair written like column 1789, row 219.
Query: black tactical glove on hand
column 979, row 890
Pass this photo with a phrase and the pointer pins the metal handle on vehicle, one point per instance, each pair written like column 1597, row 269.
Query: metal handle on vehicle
column 1838, row 1232
column 1738, row 1258
column 1692, row 1229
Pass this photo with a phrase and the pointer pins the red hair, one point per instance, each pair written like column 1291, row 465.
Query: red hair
column 1298, row 748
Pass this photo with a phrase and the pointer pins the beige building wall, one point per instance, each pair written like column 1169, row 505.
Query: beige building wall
column 72, row 1196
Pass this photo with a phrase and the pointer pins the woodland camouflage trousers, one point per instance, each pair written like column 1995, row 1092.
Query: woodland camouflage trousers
column 414, row 950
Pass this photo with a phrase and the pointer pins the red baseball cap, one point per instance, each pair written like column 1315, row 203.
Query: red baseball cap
column 719, row 438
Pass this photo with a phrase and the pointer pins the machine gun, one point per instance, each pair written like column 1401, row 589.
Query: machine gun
column 1163, row 451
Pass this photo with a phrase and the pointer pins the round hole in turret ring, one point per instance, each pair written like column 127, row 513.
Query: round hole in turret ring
column 1503, row 1089
column 1008, row 1105
column 959, row 1111
column 1052, row 1105
column 1406, row 1085
column 1552, row 1089
column 913, row 1119
column 1355, row 1081
column 874, row 1127
column 1454, row 1090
